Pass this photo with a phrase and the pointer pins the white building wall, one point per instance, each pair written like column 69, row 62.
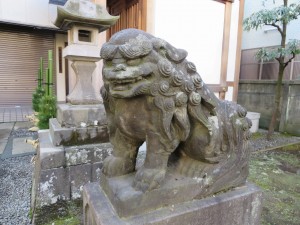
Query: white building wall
column 29, row 12
column 197, row 26
column 267, row 35
column 232, row 48
column 193, row 26
column 60, row 40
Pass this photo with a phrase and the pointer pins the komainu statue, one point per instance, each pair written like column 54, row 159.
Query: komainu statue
column 153, row 94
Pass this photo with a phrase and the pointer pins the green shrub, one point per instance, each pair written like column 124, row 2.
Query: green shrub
column 47, row 111
column 36, row 98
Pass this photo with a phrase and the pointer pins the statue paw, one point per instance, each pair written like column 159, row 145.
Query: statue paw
column 117, row 166
column 148, row 179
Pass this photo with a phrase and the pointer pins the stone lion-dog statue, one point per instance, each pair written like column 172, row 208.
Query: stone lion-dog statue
column 153, row 94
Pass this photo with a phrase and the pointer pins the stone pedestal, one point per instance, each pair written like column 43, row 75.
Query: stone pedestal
column 114, row 202
column 84, row 92
column 69, row 115
column 61, row 171
column 79, row 124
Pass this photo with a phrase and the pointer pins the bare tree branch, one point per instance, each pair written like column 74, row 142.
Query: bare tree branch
column 277, row 27
column 290, row 60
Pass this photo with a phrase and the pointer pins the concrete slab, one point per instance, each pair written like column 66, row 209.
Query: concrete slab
column 20, row 147
column 23, row 125
column 6, row 126
column 2, row 146
column 5, row 130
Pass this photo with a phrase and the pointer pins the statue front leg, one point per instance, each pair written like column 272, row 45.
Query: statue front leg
column 123, row 158
column 152, row 173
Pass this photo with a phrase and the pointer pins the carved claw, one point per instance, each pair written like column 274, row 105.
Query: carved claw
column 148, row 179
column 117, row 166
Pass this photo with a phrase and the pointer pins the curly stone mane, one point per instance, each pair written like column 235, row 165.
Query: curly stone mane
column 179, row 117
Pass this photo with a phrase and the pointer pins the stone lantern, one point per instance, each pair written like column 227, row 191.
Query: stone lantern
column 83, row 20
column 71, row 152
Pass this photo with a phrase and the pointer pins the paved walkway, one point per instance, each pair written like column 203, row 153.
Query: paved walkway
column 12, row 139
column 14, row 113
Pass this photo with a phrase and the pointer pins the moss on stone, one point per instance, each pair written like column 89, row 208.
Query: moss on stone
column 65, row 221
column 61, row 213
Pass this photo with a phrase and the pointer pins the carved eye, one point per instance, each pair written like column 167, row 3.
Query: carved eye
column 133, row 62
column 107, row 63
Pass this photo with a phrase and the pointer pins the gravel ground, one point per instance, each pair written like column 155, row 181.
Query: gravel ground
column 16, row 176
column 15, row 186
column 259, row 141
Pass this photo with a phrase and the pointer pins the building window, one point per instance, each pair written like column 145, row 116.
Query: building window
column 84, row 35
column 60, row 66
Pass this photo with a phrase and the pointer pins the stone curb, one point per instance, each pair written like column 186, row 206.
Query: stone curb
column 277, row 147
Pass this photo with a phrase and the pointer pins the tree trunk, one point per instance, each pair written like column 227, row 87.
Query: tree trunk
column 278, row 90
column 277, row 102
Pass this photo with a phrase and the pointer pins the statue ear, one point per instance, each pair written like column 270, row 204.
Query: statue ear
column 174, row 54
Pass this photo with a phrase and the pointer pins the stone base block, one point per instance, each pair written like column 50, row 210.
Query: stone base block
column 77, row 135
column 81, row 115
column 61, row 172
column 241, row 205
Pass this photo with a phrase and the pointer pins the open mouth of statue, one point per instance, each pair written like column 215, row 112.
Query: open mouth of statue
column 128, row 83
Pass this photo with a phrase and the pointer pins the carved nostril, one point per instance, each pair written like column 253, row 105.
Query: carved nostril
column 120, row 67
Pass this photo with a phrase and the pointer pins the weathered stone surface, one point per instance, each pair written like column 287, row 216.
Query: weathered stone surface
column 84, row 92
column 53, row 185
column 81, row 115
column 101, row 151
column 153, row 94
column 77, row 136
column 241, row 205
column 76, row 155
column 79, row 176
column 96, row 171
column 60, row 172
column 52, row 158
column 84, row 12
column 48, row 155
column 176, row 189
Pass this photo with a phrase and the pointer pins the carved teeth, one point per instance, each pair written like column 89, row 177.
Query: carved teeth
column 128, row 81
